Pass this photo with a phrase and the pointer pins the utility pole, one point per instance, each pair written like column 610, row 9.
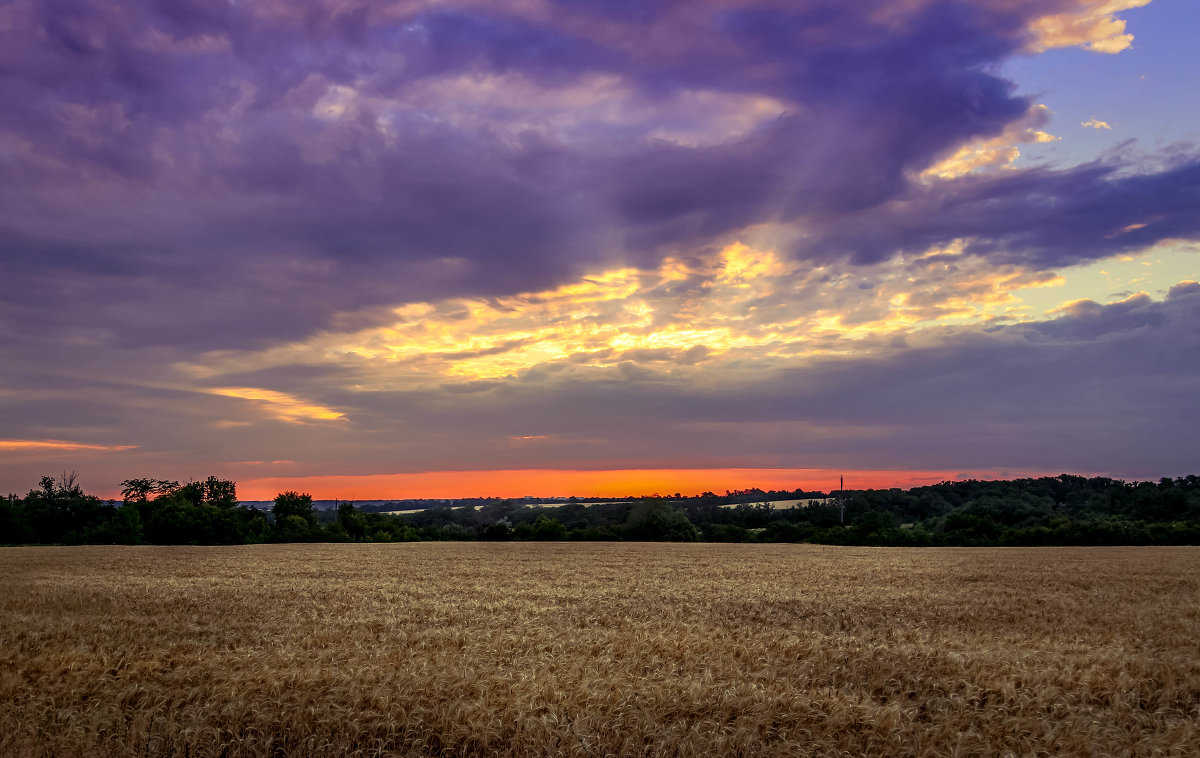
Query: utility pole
column 842, row 497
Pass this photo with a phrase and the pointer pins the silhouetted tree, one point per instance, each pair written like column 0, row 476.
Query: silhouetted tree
column 140, row 490
column 292, row 503
column 220, row 493
column 353, row 522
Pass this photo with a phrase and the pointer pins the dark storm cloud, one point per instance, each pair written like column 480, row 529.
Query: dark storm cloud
column 170, row 150
column 1041, row 217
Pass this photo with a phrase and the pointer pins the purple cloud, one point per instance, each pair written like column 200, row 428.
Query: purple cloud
column 181, row 138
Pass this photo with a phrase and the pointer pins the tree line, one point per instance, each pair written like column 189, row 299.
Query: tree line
column 1063, row 510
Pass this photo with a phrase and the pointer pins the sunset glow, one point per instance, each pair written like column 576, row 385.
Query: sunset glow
column 563, row 483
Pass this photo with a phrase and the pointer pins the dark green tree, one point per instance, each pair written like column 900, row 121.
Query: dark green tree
column 292, row 528
column 292, row 503
column 548, row 529
column 353, row 522
column 500, row 531
column 659, row 521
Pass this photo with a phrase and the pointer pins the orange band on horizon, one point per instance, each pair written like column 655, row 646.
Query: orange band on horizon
column 581, row 483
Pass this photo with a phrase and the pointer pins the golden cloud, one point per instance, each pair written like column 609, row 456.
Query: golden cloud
column 740, row 306
column 280, row 405
column 998, row 152
column 1092, row 26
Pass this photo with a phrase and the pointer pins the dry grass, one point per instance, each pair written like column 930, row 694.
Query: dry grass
column 598, row 649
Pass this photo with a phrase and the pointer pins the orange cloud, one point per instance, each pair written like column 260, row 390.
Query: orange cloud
column 57, row 445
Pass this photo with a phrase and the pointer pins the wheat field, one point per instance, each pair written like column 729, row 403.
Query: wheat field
column 598, row 650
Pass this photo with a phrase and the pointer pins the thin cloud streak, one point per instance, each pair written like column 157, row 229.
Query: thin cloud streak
column 22, row 445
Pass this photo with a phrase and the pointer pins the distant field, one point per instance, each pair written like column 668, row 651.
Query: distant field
column 550, row 504
column 561, row 503
column 775, row 504
column 598, row 649
column 784, row 504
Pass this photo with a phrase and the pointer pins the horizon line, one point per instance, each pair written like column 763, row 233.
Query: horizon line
column 599, row 483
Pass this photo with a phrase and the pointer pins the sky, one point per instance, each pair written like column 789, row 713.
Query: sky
column 437, row 249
